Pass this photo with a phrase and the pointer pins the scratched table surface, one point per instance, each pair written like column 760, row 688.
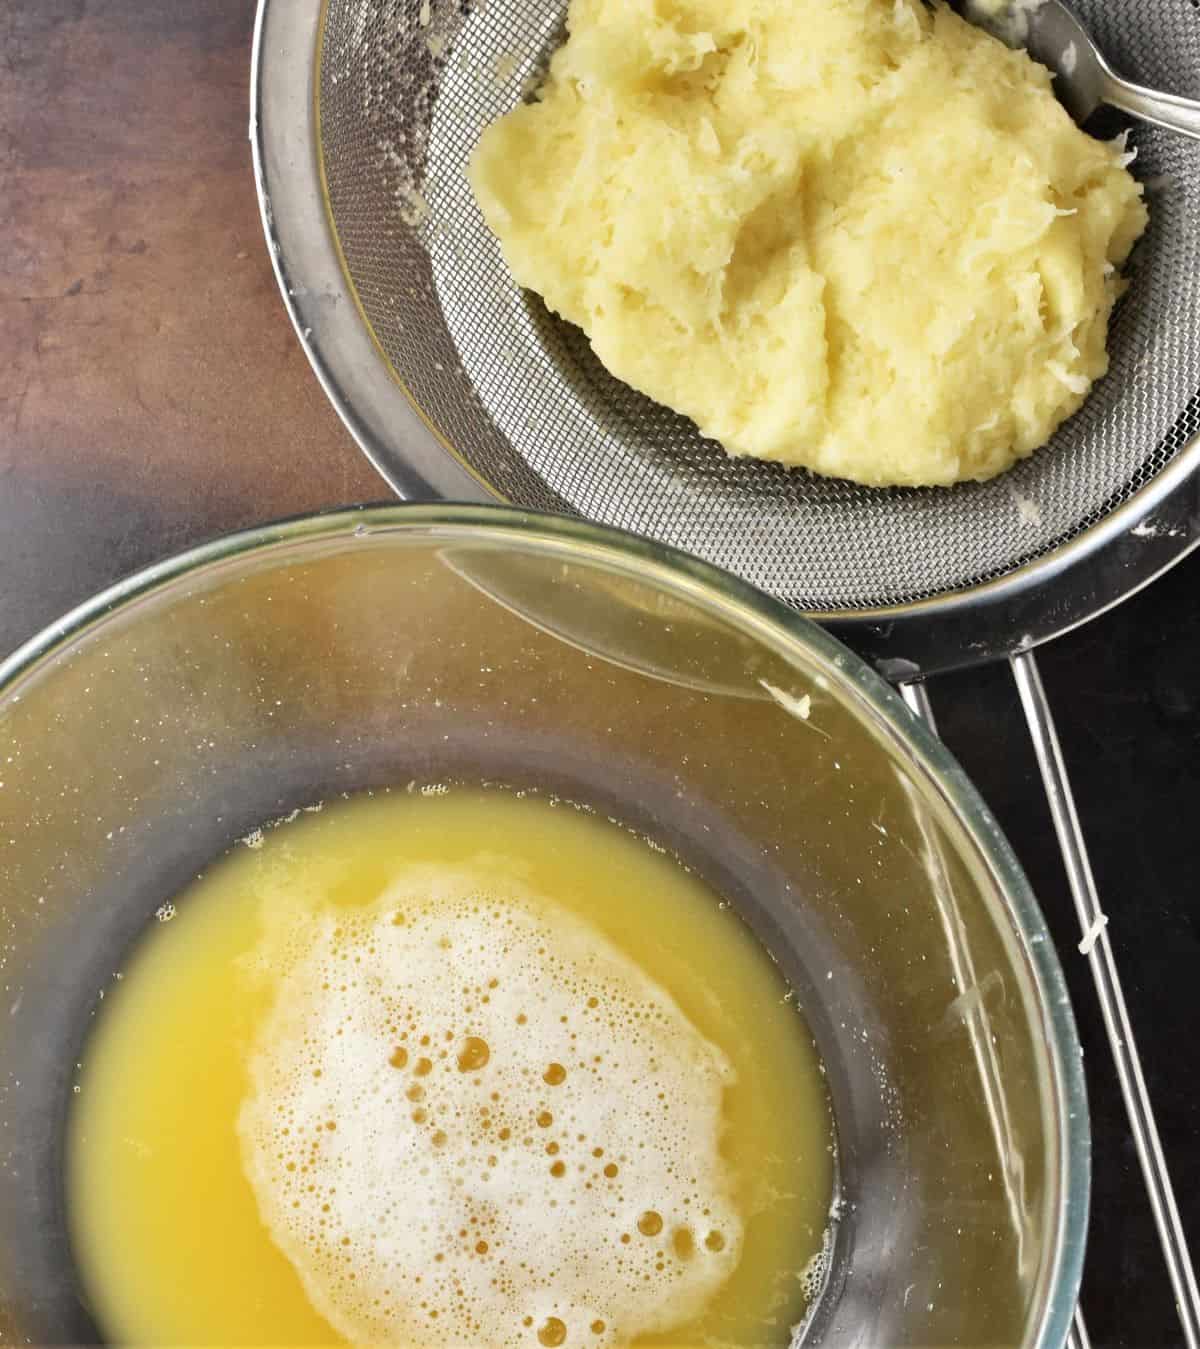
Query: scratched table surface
column 152, row 395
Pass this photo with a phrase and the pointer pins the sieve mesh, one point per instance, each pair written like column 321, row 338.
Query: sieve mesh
column 405, row 88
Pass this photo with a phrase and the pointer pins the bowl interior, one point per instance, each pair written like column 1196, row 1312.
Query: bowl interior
column 440, row 644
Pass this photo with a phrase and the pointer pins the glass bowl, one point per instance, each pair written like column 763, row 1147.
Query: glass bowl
column 149, row 729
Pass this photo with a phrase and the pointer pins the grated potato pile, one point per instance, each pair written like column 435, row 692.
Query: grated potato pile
column 855, row 235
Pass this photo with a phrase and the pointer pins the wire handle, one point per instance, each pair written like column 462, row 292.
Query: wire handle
column 1098, row 948
column 1077, row 1335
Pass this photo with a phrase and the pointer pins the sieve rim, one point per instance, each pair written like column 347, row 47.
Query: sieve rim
column 1038, row 600
column 306, row 258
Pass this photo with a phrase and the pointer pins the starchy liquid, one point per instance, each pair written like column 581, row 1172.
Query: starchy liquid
column 446, row 1068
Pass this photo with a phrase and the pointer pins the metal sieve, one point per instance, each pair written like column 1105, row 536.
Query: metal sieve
column 515, row 405
column 459, row 385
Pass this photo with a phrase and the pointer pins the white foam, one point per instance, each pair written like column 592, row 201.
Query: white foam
column 385, row 1214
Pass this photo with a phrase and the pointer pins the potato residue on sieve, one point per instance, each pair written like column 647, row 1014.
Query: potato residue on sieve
column 859, row 236
column 472, row 1119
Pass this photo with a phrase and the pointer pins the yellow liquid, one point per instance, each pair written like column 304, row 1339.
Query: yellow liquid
column 167, row 1230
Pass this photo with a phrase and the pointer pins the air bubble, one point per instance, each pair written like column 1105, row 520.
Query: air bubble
column 552, row 1332
column 473, row 1055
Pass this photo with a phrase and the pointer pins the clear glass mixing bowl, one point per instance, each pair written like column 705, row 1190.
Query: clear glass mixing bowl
column 152, row 727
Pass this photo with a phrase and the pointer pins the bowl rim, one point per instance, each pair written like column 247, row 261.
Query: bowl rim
column 768, row 621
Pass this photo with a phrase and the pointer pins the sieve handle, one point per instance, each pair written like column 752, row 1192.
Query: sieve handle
column 916, row 697
column 1098, row 948
column 1077, row 1335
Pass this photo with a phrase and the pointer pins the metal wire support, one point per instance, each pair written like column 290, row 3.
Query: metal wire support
column 916, row 699
column 1077, row 1336
column 1098, row 949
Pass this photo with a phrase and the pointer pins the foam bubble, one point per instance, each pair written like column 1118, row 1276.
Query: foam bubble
column 815, row 1273
column 471, row 1118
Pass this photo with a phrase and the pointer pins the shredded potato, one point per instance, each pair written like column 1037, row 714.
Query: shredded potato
column 855, row 235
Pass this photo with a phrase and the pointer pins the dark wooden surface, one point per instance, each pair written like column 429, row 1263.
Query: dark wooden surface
column 152, row 395
column 151, row 390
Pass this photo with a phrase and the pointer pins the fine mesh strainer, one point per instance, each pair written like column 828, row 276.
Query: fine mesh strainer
column 527, row 413
column 457, row 384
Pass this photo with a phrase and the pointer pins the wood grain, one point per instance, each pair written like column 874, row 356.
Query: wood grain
column 152, row 392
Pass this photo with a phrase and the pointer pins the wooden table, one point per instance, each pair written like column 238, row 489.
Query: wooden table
column 151, row 391
column 152, row 395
